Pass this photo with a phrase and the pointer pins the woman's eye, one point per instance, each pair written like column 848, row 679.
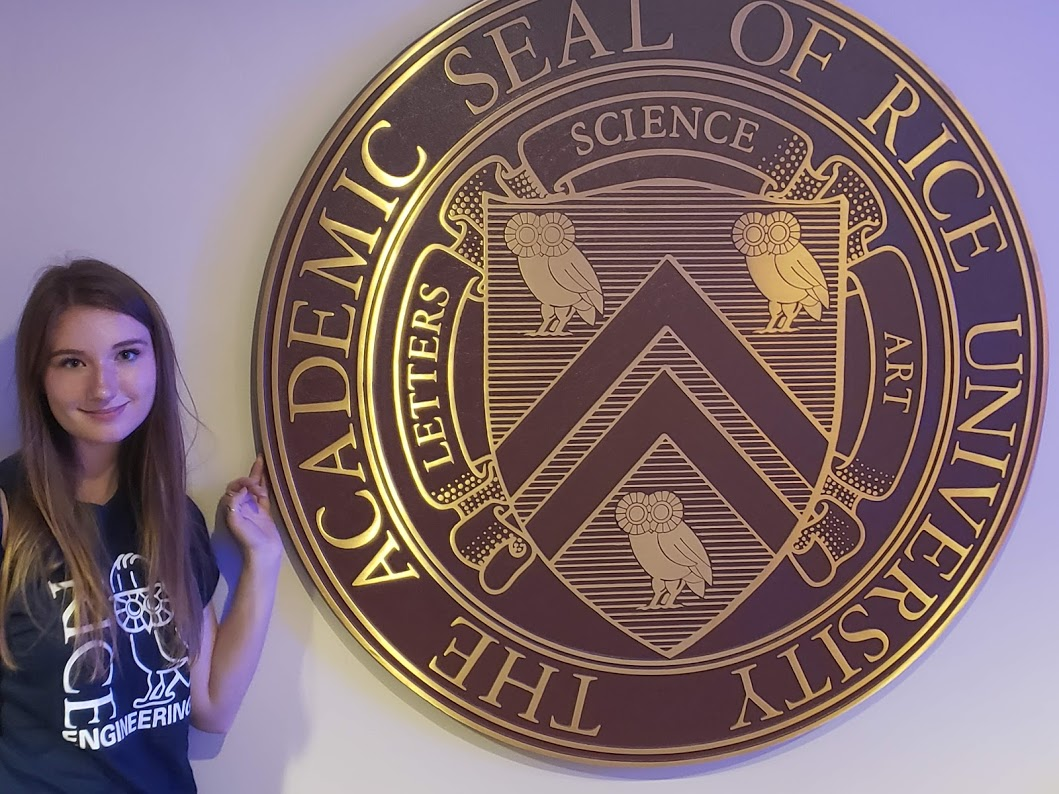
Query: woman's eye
column 70, row 363
column 130, row 354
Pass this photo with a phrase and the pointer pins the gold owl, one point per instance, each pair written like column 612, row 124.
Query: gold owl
column 781, row 267
column 667, row 548
column 554, row 269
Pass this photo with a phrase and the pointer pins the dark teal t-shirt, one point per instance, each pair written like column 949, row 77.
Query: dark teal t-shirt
column 125, row 732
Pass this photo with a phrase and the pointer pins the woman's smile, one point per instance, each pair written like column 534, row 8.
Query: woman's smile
column 105, row 414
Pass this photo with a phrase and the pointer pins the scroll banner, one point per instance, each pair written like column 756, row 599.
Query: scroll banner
column 861, row 460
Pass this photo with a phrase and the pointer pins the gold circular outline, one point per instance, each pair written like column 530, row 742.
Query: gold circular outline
column 1031, row 279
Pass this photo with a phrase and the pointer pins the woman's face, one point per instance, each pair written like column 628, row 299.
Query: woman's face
column 100, row 376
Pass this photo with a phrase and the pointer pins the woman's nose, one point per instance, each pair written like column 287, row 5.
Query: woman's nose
column 103, row 384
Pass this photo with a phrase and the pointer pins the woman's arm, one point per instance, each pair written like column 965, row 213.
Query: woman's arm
column 230, row 650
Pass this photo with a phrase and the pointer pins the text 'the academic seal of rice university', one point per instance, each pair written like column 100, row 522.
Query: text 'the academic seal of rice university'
column 649, row 381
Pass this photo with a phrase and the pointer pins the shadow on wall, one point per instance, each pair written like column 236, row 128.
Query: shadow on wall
column 8, row 397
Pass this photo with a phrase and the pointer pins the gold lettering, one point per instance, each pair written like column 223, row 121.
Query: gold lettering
column 371, row 575
column 904, row 400
column 386, row 207
column 418, row 377
column 382, row 176
column 444, row 460
column 808, row 693
column 427, row 433
column 806, row 50
column 848, row 671
column 324, row 406
column 927, row 152
column 577, row 132
column 362, row 538
column 507, row 55
column 690, row 127
column 911, row 589
column 899, row 343
column 473, row 79
column 750, row 695
column 944, row 543
column 332, row 453
column 740, row 21
column 536, row 691
column 587, row 35
column 993, row 328
column 422, row 320
column 864, row 635
column 341, row 342
column 652, row 121
column 438, row 295
column 940, row 170
column 959, row 453
column 896, row 371
column 415, row 407
column 973, row 424
column 708, row 127
column 903, row 371
column 469, row 659
column 599, row 129
column 637, row 34
column 745, row 134
column 888, row 106
column 574, row 726
column 340, row 232
column 971, row 230
column 951, row 495
column 423, row 348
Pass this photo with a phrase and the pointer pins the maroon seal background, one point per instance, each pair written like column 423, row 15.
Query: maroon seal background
column 649, row 382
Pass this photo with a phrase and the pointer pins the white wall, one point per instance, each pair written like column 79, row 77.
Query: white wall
column 167, row 138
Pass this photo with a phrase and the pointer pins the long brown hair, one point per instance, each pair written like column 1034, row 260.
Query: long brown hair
column 47, row 526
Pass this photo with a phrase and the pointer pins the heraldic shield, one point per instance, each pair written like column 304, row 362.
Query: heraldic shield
column 678, row 382
column 662, row 391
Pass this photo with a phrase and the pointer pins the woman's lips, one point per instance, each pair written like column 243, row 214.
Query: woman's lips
column 106, row 414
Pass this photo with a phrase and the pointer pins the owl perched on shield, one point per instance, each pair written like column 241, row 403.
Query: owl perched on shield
column 781, row 267
column 664, row 545
column 555, row 270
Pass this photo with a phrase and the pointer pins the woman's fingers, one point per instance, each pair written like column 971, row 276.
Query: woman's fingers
column 257, row 470
column 256, row 486
column 250, row 490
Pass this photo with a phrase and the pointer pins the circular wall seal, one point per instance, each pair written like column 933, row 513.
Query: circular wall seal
column 649, row 382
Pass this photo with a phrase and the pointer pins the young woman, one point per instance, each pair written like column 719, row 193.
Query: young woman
column 109, row 647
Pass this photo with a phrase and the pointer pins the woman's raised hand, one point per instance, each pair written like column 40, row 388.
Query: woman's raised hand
column 247, row 510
